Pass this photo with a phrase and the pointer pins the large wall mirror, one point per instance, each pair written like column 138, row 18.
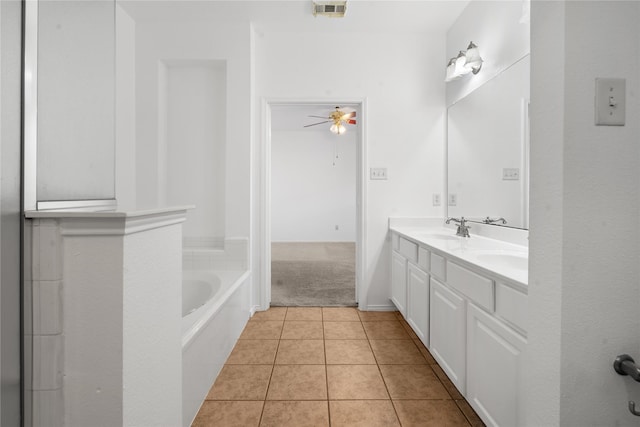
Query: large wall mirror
column 488, row 150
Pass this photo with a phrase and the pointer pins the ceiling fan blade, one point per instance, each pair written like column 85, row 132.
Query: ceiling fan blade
column 314, row 124
column 350, row 121
column 349, row 115
column 319, row 117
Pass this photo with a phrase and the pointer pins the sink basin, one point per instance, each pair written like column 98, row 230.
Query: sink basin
column 440, row 237
column 508, row 260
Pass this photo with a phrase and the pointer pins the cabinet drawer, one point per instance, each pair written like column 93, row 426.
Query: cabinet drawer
column 476, row 287
column 423, row 258
column 437, row 267
column 512, row 305
column 408, row 249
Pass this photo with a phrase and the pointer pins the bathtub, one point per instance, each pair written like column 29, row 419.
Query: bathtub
column 215, row 310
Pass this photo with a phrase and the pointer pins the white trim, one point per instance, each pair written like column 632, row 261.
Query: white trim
column 30, row 104
column 381, row 307
column 253, row 310
column 89, row 223
column 265, row 194
column 119, row 226
column 107, row 204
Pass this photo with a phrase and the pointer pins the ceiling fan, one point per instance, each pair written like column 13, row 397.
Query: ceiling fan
column 339, row 119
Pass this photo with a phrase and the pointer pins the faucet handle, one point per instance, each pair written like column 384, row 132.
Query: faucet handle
column 488, row 220
column 454, row 220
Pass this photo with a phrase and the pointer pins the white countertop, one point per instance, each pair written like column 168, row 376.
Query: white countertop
column 497, row 259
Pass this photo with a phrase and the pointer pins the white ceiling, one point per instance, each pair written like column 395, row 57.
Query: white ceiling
column 422, row 16
column 429, row 16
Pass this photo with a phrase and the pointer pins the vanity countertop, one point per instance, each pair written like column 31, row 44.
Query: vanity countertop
column 497, row 259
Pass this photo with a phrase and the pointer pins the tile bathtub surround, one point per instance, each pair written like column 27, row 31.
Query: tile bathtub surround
column 332, row 366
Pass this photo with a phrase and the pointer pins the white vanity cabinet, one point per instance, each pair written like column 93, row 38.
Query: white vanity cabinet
column 472, row 319
column 448, row 332
column 410, row 284
column 418, row 302
column 399, row 282
column 494, row 368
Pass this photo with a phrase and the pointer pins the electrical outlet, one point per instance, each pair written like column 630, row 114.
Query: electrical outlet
column 436, row 199
column 378, row 173
column 510, row 174
column 453, row 199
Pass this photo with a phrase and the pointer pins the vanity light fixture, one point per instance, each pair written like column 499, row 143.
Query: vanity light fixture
column 465, row 63
column 473, row 58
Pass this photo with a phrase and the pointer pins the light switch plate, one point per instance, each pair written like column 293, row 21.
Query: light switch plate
column 453, row 199
column 610, row 102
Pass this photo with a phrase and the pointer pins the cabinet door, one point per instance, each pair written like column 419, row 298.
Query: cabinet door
column 494, row 368
column 418, row 302
column 447, row 336
column 399, row 282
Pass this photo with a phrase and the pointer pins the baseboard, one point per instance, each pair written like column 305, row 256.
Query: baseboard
column 253, row 310
column 389, row 307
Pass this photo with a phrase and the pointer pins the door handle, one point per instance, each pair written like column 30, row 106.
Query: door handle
column 625, row 365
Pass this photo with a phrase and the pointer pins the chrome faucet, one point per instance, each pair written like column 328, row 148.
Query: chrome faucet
column 463, row 228
column 488, row 220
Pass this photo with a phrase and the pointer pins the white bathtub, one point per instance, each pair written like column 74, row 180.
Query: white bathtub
column 216, row 308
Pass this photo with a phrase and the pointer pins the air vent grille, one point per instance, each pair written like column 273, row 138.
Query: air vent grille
column 334, row 9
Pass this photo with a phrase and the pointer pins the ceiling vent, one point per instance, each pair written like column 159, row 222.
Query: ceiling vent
column 332, row 9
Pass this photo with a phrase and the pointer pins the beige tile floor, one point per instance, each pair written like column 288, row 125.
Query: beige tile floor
column 332, row 366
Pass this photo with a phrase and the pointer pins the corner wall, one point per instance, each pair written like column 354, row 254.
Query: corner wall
column 584, row 281
column 400, row 77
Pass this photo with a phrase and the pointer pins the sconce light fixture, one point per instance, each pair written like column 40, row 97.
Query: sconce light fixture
column 465, row 63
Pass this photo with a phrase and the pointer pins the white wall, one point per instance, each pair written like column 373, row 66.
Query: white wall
column 76, row 91
column 195, row 129
column 496, row 28
column 584, row 278
column 311, row 193
column 159, row 43
column 400, row 75
column 125, row 109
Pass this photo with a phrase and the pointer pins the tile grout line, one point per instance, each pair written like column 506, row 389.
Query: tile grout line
column 395, row 411
column 326, row 368
column 273, row 366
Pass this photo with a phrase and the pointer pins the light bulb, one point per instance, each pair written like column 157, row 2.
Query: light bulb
column 474, row 61
column 451, row 68
column 460, row 68
column 338, row 129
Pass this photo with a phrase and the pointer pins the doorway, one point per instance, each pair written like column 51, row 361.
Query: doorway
column 312, row 204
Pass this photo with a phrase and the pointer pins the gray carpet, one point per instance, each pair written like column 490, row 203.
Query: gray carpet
column 313, row 274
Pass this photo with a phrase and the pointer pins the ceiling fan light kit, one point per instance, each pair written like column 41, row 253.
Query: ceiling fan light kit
column 465, row 63
column 339, row 119
column 332, row 9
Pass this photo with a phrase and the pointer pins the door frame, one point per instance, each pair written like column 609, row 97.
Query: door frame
column 265, row 192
